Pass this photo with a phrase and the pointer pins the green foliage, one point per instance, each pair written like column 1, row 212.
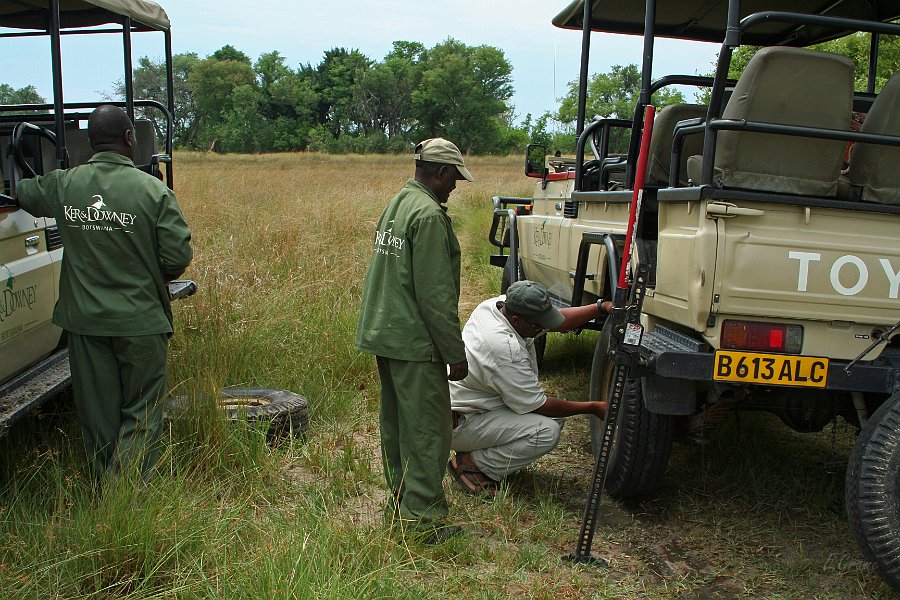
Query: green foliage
column 25, row 95
column 613, row 95
column 383, row 96
column 213, row 83
column 346, row 103
column 856, row 47
column 337, row 77
column 463, row 93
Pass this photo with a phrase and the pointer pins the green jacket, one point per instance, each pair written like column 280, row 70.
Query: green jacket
column 411, row 296
column 123, row 234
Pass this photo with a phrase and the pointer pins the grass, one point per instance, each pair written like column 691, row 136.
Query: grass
column 281, row 245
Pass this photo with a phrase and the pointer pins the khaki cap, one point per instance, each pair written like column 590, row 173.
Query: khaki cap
column 531, row 301
column 439, row 150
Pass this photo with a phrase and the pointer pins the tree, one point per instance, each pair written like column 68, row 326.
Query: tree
column 463, row 94
column 383, row 96
column 287, row 101
column 212, row 83
column 856, row 47
column 336, row 78
column 229, row 52
column 150, row 84
column 243, row 127
column 612, row 95
column 25, row 95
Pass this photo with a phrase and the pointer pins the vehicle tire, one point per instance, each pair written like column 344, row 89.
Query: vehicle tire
column 540, row 343
column 506, row 278
column 872, row 491
column 286, row 412
column 643, row 440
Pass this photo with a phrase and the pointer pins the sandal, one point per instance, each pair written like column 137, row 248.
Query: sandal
column 469, row 484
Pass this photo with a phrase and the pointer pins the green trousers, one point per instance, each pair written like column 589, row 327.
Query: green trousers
column 118, row 384
column 415, row 436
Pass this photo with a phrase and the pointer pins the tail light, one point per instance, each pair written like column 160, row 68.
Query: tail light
column 761, row 337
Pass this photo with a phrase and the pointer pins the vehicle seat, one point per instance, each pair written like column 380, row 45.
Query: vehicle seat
column 145, row 133
column 79, row 147
column 873, row 175
column 660, row 157
column 791, row 86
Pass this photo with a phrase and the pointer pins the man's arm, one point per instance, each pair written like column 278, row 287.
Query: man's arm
column 173, row 239
column 39, row 195
column 576, row 316
column 437, row 294
column 556, row 407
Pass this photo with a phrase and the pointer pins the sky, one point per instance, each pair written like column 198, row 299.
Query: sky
column 544, row 58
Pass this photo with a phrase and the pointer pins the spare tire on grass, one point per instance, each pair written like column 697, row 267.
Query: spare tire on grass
column 286, row 412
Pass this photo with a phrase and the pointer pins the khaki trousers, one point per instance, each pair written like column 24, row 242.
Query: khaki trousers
column 502, row 442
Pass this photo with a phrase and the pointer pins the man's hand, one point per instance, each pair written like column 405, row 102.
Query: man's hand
column 458, row 371
column 599, row 409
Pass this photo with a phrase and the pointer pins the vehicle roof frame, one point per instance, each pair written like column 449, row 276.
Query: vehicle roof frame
column 734, row 34
column 54, row 30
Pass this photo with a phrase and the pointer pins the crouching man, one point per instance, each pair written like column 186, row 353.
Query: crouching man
column 502, row 419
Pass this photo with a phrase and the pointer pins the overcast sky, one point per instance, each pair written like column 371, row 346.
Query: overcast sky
column 544, row 58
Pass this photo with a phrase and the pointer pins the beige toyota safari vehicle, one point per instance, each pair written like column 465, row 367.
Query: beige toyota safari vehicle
column 772, row 256
column 38, row 138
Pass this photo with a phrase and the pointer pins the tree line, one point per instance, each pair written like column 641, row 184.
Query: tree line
column 350, row 103
column 346, row 103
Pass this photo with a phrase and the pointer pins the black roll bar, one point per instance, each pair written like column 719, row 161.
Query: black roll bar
column 606, row 125
column 129, row 72
column 56, row 57
column 583, row 72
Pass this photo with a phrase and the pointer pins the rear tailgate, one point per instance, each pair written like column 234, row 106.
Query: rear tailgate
column 834, row 271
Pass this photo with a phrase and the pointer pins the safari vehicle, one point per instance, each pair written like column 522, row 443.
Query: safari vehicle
column 772, row 268
column 38, row 138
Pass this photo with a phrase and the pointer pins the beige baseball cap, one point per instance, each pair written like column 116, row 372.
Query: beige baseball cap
column 439, row 150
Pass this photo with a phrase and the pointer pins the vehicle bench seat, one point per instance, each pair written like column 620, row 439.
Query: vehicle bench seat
column 873, row 174
column 660, row 153
column 80, row 150
column 790, row 86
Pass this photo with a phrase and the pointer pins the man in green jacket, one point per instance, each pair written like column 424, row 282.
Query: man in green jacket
column 124, row 238
column 410, row 322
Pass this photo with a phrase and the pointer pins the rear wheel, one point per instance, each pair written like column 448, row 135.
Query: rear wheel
column 643, row 440
column 540, row 343
column 873, row 490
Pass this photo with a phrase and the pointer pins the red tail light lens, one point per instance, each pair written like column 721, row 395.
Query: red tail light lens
column 761, row 337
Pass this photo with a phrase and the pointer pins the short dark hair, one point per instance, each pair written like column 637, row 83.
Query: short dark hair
column 107, row 124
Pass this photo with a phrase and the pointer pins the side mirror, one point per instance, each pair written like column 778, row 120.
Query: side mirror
column 535, row 160
column 8, row 203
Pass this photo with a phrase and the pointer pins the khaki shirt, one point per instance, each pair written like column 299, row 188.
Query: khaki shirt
column 123, row 235
column 411, row 295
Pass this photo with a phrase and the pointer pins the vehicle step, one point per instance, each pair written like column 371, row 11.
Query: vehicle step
column 662, row 339
column 31, row 388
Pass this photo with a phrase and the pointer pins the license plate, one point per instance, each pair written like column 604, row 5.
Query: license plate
column 770, row 369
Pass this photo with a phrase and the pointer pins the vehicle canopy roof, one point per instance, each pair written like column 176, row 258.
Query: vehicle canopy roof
column 706, row 20
column 32, row 14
